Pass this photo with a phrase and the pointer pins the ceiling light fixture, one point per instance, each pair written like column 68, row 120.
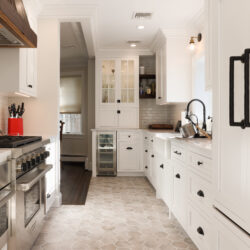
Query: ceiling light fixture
column 132, row 45
column 140, row 27
column 192, row 41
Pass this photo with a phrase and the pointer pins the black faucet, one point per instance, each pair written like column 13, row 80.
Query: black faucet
column 204, row 125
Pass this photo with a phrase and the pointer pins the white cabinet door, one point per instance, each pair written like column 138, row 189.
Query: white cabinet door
column 179, row 200
column 128, row 118
column 107, row 117
column 128, row 156
column 167, row 193
column 231, row 145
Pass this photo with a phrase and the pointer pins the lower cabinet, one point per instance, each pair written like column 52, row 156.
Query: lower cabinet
column 128, row 156
column 128, row 152
column 180, row 197
column 201, row 229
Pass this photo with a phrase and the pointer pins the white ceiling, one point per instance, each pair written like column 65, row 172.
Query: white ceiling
column 73, row 46
column 115, row 26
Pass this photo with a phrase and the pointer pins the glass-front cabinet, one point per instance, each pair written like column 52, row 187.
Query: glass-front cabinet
column 119, row 81
column 108, row 82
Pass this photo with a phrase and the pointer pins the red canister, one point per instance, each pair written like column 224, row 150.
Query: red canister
column 15, row 126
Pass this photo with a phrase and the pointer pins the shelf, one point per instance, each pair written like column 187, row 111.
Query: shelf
column 147, row 76
column 147, row 96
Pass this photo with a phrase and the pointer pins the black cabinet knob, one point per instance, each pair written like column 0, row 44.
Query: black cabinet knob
column 178, row 176
column 159, row 97
column 146, row 151
column 129, row 136
column 200, row 193
column 118, row 111
column 146, row 167
column 161, row 166
column 152, row 140
column 146, row 138
column 200, row 231
column 152, row 156
column 30, row 86
column 118, row 101
column 199, row 163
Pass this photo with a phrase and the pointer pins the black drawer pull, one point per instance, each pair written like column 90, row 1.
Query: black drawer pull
column 129, row 148
column 152, row 156
column 161, row 166
column 178, row 176
column 178, row 153
column 30, row 86
column 146, row 151
column 200, row 193
column 199, row 163
column 159, row 97
column 118, row 111
column 146, row 138
column 152, row 140
column 200, row 231
column 146, row 167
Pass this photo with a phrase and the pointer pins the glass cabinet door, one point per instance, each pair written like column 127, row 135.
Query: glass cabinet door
column 108, row 81
column 127, row 81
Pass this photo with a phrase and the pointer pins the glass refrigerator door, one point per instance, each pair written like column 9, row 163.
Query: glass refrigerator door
column 106, row 154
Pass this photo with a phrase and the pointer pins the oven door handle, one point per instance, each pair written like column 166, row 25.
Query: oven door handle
column 7, row 197
column 26, row 182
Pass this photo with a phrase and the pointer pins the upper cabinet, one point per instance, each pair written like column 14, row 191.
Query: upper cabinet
column 173, row 68
column 118, row 81
column 18, row 69
column 117, row 92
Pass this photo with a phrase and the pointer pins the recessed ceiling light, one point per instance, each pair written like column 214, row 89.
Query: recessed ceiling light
column 140, row 27
column 132, row 45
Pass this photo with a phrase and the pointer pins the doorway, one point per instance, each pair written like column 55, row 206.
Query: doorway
column 75, row 176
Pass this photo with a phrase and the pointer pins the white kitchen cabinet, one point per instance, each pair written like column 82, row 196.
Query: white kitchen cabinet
column 173, row 68
column 128, row 152
column 231, row 144
column 21, row 75
column 180, row 198
column 117, row 96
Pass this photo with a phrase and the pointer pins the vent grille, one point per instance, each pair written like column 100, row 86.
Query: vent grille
column 142, row 15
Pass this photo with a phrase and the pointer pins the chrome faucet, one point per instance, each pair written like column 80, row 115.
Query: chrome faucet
column 204, row 125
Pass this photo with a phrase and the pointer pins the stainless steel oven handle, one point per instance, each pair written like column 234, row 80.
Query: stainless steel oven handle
column 7, row 198
column 25, row 182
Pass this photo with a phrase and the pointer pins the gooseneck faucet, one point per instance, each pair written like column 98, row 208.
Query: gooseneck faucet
column 204, row 125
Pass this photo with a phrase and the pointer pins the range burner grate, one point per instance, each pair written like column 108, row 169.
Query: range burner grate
column 17, row 141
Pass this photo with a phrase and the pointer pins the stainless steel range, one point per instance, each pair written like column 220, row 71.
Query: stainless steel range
column 28, row 209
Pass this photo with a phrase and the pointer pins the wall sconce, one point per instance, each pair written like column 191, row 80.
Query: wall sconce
column 192, row 41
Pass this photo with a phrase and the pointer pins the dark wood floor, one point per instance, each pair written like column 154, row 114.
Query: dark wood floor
column 75, row 182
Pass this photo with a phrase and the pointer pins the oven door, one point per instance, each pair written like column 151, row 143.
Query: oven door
column 5, row 196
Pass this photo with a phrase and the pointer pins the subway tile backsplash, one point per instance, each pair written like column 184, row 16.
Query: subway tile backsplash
column 3, row 113
column 150, row 113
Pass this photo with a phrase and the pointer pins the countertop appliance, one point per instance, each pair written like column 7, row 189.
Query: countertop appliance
column 106, row 154
column 15, row 30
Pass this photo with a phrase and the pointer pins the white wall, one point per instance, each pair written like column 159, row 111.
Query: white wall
column 3, row 113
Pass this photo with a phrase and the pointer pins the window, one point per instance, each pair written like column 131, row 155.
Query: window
column 71, row 104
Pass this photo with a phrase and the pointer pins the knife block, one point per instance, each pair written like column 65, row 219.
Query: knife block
column 15, row 126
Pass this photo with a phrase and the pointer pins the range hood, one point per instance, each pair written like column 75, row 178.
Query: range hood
column 15, row 31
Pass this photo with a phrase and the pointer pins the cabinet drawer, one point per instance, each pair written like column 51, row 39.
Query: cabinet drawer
column 201, row 164
column 178, row 153
column 200, row 230
column 128, row 136
column 199, row 191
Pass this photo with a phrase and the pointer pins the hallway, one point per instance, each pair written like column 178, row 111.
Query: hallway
column 120, row 213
